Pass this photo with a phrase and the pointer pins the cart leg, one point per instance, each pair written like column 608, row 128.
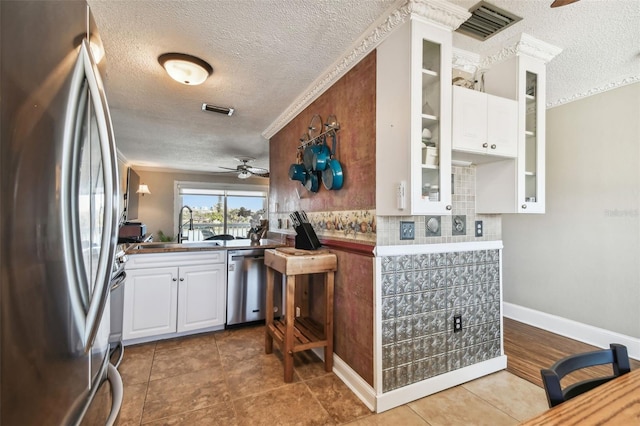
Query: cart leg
column 328, row 326
column 268, row 339
column 287, row 353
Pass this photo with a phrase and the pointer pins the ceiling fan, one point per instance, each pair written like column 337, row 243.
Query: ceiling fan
column 245, row 171
column 558, row 3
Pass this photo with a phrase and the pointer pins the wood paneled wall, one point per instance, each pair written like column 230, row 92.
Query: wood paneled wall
column 352, row 100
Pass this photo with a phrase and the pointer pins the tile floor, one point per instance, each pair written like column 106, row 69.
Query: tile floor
column 225, row 378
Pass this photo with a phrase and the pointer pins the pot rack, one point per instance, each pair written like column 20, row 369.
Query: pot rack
column 332, row 129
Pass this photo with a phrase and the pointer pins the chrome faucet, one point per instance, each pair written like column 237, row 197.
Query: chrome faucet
column 181, row 224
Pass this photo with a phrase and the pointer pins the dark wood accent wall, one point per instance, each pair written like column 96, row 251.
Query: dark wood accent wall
column 352, row 100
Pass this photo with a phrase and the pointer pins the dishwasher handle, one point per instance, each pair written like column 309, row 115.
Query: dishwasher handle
column 240, row 257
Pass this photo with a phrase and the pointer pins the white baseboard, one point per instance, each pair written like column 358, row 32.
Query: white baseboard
column 354, row 382
column 386, row 401
column 427, row 387
column 362, row 389
column 572, row 329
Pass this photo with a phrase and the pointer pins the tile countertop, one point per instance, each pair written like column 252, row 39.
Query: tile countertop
column 171, row 247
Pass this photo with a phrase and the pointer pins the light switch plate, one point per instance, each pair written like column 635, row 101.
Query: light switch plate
column 407, row 230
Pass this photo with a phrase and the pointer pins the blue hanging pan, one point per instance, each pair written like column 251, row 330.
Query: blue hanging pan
column 322, row 156
column 332, row 176
column 312, row 182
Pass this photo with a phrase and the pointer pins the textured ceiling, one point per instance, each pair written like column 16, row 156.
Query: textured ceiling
column 267, row 53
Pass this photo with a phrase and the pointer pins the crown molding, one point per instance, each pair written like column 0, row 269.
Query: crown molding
column 524, row 44
column 465, row 61
column 440, row 12
column 594, row 91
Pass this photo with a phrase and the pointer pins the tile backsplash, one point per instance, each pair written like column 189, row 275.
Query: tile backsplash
column 463, row 203
column 365, row 226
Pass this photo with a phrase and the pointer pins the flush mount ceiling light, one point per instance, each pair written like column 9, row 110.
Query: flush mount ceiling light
column 185, row 69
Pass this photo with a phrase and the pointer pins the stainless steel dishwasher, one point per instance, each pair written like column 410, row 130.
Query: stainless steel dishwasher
column 246, row 287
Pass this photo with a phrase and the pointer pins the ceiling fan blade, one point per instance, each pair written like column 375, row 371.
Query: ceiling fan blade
column 228, row 168
column 558, row 3
column 264, row 175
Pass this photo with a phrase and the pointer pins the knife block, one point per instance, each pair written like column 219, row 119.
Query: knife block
column 306, row 237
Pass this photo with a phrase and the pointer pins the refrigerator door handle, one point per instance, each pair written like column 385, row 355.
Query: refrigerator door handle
column 88, row 306
column 107, row 148
column 116, row 394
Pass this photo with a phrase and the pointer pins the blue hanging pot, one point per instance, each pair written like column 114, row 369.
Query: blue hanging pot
column 332, row 176
column 297, row 172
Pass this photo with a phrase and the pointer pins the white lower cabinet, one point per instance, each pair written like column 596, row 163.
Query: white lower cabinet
column 150, row 302
column 198, row 288
column 183, row 295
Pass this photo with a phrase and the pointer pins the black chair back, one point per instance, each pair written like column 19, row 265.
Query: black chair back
column 616, row 355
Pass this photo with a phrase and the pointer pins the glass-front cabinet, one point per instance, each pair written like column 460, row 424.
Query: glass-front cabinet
column 531, row 170
column 519, row 186
column 413, row 126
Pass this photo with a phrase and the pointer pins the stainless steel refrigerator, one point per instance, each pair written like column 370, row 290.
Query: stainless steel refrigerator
column 59, row 203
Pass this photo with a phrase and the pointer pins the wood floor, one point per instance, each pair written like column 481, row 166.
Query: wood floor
column 530, row 349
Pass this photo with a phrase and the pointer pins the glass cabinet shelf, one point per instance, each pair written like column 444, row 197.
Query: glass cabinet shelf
column 430, row 73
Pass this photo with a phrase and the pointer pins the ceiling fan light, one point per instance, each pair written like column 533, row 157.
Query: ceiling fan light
column 244, row 174
column 558, row 3
column 185, row 69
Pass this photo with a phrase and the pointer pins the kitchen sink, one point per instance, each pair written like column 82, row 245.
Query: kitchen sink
column 199, row 244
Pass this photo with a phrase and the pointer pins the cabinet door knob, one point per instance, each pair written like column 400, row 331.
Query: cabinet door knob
column 484, row 145
column 181, row 279
column 174, row 279
column 493, row 146
column 524, row 206
column 449, row 207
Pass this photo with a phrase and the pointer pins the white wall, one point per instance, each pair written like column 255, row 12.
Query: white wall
column 581, row 260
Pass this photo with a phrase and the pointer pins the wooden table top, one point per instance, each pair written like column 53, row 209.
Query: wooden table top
column 615, row 403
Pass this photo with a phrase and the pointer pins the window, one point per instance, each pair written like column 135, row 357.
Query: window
column 208, row 211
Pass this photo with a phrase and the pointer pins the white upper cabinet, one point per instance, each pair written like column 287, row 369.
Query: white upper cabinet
column 484, row 124
column 413, row 121
column 519, row 186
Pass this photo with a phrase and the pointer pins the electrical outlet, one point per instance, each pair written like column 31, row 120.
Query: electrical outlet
column 459, row 225
column 297, row 311
column 479, row 228
column 407, row 230
column 457, row 323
